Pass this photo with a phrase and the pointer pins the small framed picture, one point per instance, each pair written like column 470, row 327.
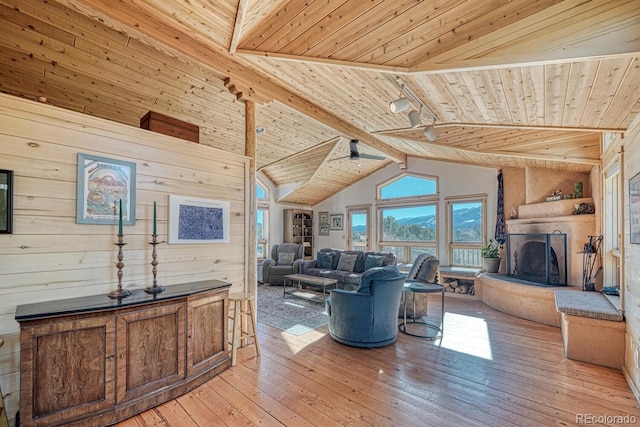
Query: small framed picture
column 323, row 217
column 6, row 201
column 324, row 230
column 336, row 222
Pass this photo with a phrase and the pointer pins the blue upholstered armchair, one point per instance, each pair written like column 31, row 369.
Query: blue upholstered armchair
column 368, row 316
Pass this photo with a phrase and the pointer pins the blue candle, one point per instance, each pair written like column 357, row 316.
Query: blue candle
column 120, row 223
column 155, row 232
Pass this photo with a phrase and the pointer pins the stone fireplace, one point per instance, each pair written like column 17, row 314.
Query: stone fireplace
column 537, row 257
column 549, row 218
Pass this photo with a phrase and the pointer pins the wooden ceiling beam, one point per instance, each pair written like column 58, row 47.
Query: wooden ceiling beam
column 237, row 27
column 303, row 152
column 527, row 156
column 132, row 19
column 504, row 126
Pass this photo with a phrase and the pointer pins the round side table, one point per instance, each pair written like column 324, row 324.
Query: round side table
column 422, row 288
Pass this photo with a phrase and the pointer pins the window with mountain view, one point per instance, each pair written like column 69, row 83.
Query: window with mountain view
column 408, row 186
column 262, row 217
column 466, row 225
column 408, row 216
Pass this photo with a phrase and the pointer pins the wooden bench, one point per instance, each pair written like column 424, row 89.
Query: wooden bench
column 592, row 328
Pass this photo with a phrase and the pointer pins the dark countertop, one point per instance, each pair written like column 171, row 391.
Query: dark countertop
column 62, row 307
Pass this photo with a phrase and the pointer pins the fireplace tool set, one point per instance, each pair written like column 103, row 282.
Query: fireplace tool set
column 589, row 258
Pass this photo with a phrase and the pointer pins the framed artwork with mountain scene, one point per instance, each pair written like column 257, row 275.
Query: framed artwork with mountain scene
column 105, row 186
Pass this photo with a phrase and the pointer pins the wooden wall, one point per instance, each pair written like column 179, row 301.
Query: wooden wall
column 51, row 257
column 631, row 167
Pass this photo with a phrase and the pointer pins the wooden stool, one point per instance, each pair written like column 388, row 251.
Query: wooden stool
column 242, row 306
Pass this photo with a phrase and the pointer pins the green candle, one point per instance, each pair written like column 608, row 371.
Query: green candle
column 120, row 223
column 154, row 219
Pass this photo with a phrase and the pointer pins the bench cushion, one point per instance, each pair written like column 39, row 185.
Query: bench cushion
column 587, row 304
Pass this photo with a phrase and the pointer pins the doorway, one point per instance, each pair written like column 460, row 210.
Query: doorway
column 359, row 228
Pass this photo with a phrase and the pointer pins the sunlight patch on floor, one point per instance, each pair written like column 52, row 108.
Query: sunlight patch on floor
column 471, row 335
column 295, row 343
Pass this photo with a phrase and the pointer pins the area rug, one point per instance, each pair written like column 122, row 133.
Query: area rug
column 291, row 314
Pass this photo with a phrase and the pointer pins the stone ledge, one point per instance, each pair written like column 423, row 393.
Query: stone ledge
column 593, row 305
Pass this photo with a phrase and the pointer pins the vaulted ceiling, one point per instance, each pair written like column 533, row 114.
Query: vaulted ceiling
column 510, row 83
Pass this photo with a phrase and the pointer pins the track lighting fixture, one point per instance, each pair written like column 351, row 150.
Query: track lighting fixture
column 431, row 133
column 414, row 119
column 415, row 116
column 399, row 105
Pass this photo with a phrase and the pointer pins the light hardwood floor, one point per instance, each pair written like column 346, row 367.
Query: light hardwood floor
column 490, row 369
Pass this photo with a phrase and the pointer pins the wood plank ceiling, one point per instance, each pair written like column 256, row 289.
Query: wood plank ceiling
column 510, row 83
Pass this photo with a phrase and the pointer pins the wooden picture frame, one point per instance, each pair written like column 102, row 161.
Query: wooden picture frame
column 323, row 230
column 6, row 201
column 102, row 184
column 336, row 222
column 323, row 217
column 634, row 209
column 195, row 220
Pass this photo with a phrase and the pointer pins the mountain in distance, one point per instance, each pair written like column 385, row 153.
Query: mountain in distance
column 465, row 218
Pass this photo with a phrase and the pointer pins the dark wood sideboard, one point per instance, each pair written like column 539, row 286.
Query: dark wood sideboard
column 95, row 361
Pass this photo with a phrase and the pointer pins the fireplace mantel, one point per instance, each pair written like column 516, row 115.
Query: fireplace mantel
column 547, row 217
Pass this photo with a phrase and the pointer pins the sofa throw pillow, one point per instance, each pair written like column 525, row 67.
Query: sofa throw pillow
column 347, row 262
column 325, row 260
column 286, row 258
column 373, row 261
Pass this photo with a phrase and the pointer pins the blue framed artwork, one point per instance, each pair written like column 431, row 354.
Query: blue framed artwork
column 195, row 220
column 103, row 185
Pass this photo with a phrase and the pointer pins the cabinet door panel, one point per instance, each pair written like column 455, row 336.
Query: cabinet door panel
column 69, row 369
column 207, row 332
column 151, row 349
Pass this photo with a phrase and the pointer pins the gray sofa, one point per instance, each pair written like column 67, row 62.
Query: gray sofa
column 344, row 266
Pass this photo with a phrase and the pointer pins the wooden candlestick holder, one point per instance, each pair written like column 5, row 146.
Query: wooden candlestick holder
column 120, row 293
column 155, row 289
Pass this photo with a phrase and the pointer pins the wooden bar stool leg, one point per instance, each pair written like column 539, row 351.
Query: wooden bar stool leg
column 252, row 314
column 236, row 327
column 243, row 328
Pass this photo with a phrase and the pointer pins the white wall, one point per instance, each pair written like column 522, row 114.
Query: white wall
column 453, row 180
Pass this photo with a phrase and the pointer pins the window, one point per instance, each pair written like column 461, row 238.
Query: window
column 465, row 230
column 262, row 221
column 409, row 231
column 408, row 216
column 408, row 186
column 261, row 192
column 358, row 227
column 612, row 236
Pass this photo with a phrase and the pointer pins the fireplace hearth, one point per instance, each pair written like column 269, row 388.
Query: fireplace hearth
column 537, row 257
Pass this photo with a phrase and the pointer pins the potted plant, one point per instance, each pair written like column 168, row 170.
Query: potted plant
column 491, row 255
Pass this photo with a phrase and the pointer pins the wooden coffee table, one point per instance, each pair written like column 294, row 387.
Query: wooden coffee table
column 312, row 281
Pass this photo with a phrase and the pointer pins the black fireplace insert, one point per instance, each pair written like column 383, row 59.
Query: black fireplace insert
column 537, row 257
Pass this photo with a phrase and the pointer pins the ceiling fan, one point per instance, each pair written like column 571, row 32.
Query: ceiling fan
column 355, row 155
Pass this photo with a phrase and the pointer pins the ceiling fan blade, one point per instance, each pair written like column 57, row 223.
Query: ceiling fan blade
column 371, row 157
column 340, row 158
